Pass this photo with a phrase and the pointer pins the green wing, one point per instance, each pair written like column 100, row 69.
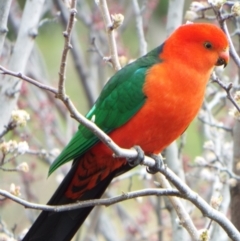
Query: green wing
column 119, row 100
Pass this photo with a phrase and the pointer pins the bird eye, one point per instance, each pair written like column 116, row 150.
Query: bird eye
column 207, row 45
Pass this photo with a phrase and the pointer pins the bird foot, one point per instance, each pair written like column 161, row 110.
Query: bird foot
column 158, row 164
column 137, row 160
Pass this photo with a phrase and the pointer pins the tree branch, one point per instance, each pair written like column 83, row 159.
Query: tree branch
column 90, row 203
column 182, row 214
column 110, row 33
column 10, row 87
column 203, row 206
column 227, row 88
column 139, row 26
column 67, row 47
column 38, row 84
column 4, row 11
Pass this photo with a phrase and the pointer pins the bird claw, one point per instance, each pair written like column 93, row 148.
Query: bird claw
column 158, row 164
column 137, row 160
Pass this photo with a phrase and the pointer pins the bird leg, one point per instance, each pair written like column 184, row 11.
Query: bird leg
column 158, row 164
column 138, row 159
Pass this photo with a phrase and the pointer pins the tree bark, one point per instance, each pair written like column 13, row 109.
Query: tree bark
column 9, row 86
column 4, row 12
column 235, row 191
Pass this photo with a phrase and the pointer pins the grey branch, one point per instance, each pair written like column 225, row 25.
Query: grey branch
column 67, row 47
column 4, row 11
column 90, row 203
column 9, row 87
column 203, row 206
column 227, row 88
column 110, row 33
column 139, row 26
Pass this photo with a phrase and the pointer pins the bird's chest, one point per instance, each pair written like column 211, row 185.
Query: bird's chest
column 172, row 103
column 169, row 109
column 156, row 125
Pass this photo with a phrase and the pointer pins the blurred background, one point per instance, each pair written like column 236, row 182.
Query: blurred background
column 198, row 157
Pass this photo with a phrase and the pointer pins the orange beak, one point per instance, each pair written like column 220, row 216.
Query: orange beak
column 223, row 58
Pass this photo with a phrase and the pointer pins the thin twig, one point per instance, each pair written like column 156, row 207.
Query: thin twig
column 28, row 79
column 11, row 126
column 95, row 48
column 9, row 169
column 233, row 52
column 218, row 126
column 77, row 55
column 90, row 203
column 67, row 47
column 182, row 214
column 139, row 26
column 227, row 88
column 110, row 33
column 218, row 168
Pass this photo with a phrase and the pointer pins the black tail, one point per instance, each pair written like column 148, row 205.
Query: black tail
column 61, row 226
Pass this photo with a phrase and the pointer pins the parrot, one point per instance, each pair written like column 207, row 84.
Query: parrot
column 148, row 103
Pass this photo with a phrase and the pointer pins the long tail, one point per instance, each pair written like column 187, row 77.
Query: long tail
column 61, row 226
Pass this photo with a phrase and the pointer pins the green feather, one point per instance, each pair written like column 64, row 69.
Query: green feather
column 120, row 99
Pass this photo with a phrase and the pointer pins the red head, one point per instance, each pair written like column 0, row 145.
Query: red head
column 201, row 45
